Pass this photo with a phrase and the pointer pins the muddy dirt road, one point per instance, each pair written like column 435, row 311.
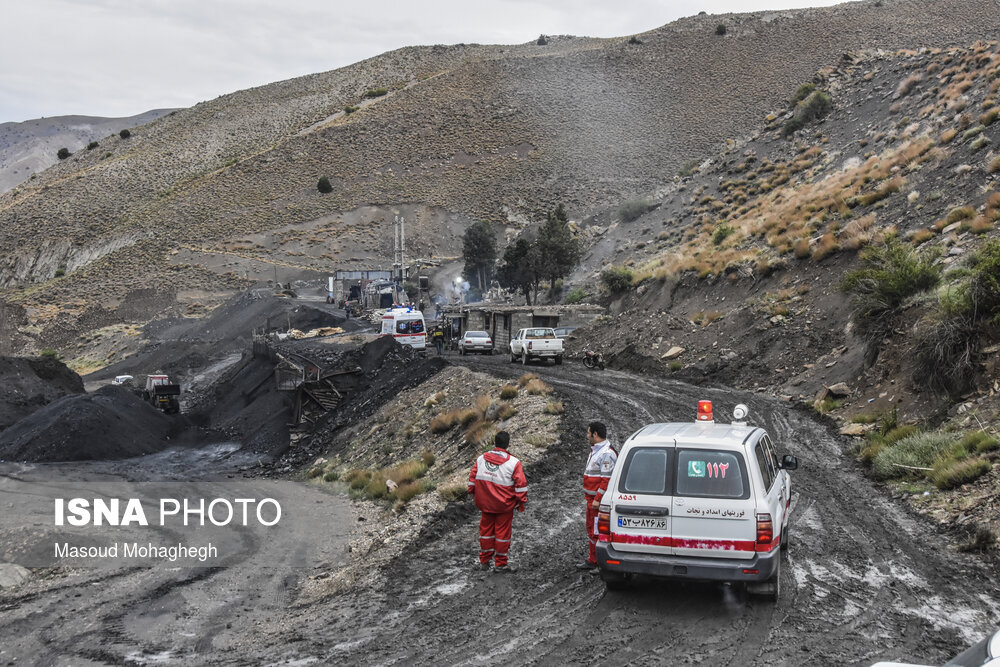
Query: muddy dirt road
column 863, row 580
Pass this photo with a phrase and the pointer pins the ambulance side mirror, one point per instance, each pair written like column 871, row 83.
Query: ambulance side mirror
column 789, row 462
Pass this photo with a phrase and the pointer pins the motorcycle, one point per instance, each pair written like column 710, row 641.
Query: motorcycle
column 593, row 359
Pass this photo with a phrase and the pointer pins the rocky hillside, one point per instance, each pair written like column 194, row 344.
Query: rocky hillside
column 32, row 146
column 211, row 196
column 742, row 271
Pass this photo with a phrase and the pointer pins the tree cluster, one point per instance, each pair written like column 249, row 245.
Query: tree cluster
column 551, row 255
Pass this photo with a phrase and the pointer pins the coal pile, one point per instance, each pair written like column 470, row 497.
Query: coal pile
column 32, row 383
column 387, row 368
column 247, row 405
column 112, row 423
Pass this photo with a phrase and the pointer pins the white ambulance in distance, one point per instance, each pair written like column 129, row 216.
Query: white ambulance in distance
column 406, row 325
column 697, row 500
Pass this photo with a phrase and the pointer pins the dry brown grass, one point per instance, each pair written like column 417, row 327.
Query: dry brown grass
column 444, row 422
column 538, row 388
column 908, row 84
column 554, row 408
column 506, row 411
column 482, row 405
column 478, row 432
column 827, row 246
column 508, row 392
column 922, row 236
column 947, row 136
column 802, row 249
column 468, row 415
column 994, row 166
column 980, row 225
column 525, row 379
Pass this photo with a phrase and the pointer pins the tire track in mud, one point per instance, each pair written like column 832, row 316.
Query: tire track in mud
column 864, row 579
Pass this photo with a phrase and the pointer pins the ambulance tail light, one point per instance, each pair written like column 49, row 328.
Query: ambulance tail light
column 529, row 344
column 705, row 411
column 604, row 521
column 765, row 532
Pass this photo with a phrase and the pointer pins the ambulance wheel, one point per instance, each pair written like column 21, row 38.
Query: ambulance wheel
column 524, row 358
column 614, row 581
column 558, row 361
column 785, row 541
column 770, row 590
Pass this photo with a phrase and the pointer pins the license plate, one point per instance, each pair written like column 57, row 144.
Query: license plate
column 642, row 522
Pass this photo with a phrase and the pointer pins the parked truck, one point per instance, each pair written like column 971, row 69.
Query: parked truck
column 536, row 343
column 162, row 394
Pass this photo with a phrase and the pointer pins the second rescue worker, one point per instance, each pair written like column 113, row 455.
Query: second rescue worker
column 596, row 476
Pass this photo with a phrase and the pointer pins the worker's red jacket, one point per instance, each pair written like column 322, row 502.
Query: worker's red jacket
column 498, row 483
column 597, row 473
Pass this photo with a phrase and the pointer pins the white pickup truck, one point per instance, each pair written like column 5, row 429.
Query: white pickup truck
column 536, row 343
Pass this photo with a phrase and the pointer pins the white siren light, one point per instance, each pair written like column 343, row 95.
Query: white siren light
column 740, row 412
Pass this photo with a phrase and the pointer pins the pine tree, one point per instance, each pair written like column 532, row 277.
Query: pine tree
column 519, row 269
column 479, row 249
column 558, row 251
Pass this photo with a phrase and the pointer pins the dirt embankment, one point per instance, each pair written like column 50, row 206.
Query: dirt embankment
column 31, row 383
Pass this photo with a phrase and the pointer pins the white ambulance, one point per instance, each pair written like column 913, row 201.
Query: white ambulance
column 406, row 325
column 697, row 500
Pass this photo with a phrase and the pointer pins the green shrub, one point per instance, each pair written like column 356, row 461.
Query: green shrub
column 48, row 354
column 617, row 279
column 351, row 108
column 916, row 451
column 813, row 107
column 634, row 40
column 633, row 208
column 955, row 473
column 124, row 134
column 973, row 132
column 60, row 272
column 897, row 433
column 315, row 472
column 323, row 185
column 92, row 145
column 804, row 91
column 688, row 169
column 577, row 295
column 889, row 274
column 375, row 92
column 331, row 476
column 980, row 143
column 675, row 366
column 979, row 442
column 63, row 153
column 541, row 41
column 722, row 232
column 720, row 29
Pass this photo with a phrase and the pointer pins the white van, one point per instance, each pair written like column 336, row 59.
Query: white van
column 697, row 500
column 406, row 325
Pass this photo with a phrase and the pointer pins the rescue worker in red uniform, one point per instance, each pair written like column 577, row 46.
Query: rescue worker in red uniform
column 498, row 484
column 596, row 475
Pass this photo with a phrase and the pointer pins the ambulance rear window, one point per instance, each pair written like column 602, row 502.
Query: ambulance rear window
column 645, row 471
column 707, row 473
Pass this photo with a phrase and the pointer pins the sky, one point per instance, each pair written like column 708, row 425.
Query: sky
column 119, row 58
